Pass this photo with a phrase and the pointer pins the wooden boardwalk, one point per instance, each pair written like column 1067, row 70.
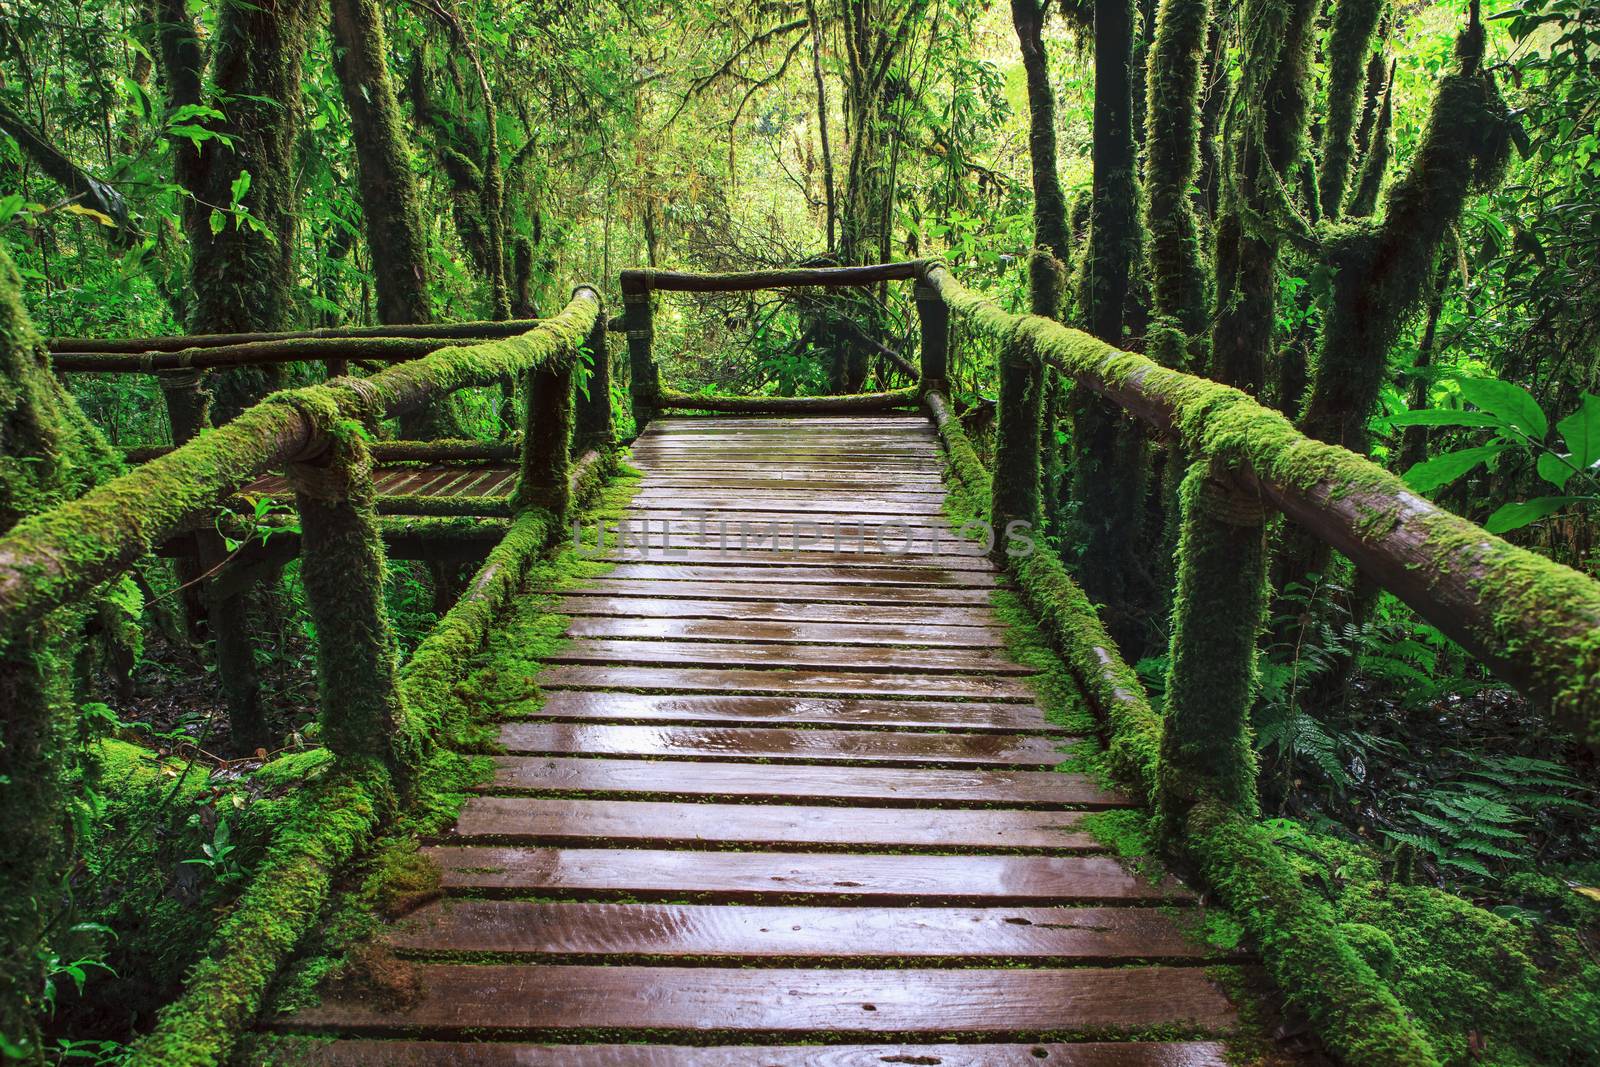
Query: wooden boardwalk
column 787, row 805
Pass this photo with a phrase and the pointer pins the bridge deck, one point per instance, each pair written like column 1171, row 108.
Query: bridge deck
column 786, row 806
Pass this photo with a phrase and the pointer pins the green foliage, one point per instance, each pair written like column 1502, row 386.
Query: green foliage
column 1517, row 425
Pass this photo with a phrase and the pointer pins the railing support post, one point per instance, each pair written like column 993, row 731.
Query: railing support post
column 342, row 565
column 594, row 428
column 1016, row 462
column 934, row 316
column 547, row 439
column 644, row 377
column 1216, row 619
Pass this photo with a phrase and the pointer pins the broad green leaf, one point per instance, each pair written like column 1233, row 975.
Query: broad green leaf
column 1430, row 474
column 218, row 220
column 9, row 206
column 241, row 185
column 1581, row 432
column 1555, row 469
column 1511, row 403
column 1444, row 417
column 1516, row 516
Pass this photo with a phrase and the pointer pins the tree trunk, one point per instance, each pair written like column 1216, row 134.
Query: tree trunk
column 388, row 190
column 1051, row 240
column 1111, row 463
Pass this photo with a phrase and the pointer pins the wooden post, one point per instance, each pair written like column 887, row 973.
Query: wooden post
column 342, row 566
column 547, row 438
column 1216, row 619
column 645, row 379
column 934, row 316
column 593, row 426
column 1016, row 460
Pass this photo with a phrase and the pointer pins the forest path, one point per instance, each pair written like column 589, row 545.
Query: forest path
column 787, row 804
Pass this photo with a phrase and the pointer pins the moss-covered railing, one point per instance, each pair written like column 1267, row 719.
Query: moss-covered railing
column 650, row 397
column 379, row 720
column 1532, row 621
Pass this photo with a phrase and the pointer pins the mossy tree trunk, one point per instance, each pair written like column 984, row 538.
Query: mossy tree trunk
column 383, row 158
column 49, row 453
column 1383, row 267
column 1348, row 42
column 1172, row 159
column 1111, row 464
column 1052, row 241
column 242, row 276
column 1267, row 134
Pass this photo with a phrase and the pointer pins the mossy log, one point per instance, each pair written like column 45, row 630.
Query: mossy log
column 451, row 331
column 852, row 403
column 58, row 556
column 1534, row 622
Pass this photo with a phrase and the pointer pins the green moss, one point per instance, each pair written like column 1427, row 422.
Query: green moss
column 52, row 558
column 1541, row 625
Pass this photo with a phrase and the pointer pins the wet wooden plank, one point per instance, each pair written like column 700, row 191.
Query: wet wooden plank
column 676, row 874
column 723, row 654
column 868, row 786
column 577, row 704
column 779, row 574
column 763, row 526
column 789, row 632
column 629, row 607
column 795, row 481
column 794, row 503
column 769, row 532
column 777, row 744
column 795, row 592
column 784, row 424
column 784, row 680
column 403, row 1053
column 519, row 999
column 663, row 549
column 796, row 934
column 562, row 821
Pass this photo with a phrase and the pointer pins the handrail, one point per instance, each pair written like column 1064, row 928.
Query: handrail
column 481, row 331
column 57, row 556
column 1534, row 622
column 644, row 279
column 649, row 397
column 256, row 354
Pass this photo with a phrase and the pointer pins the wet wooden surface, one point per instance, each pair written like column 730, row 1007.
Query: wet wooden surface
column 784, row 800
column 769, row 744
column 842, row 713
column 514, row 999
column 559, row 820
column 885, row 786
column 359, row 1053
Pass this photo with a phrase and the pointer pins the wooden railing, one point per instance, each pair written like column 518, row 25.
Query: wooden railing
column 319, row 435
column 1534, row 622
column 650, row 397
